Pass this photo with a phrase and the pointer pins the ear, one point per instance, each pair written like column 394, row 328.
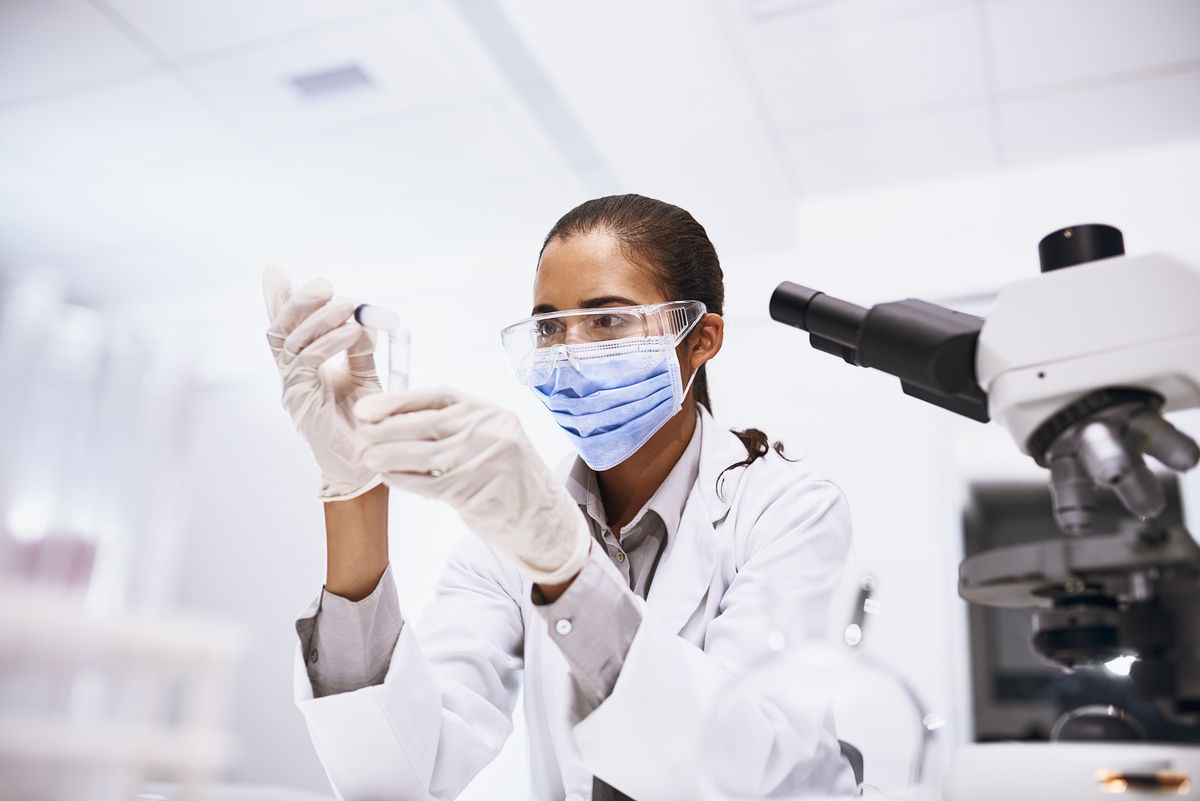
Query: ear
column 705, row 339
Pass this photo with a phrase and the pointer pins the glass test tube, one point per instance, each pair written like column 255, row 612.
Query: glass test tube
column 399, row 351
column 398, row 344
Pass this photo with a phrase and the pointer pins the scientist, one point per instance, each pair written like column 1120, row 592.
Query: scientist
column 627, row 591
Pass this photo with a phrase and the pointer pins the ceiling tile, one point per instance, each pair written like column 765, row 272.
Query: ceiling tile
column 407, row 63
column 661, row 95
column 410, row 160
column 872, row 70
column 116, row 131
column 1120, row 115
column 51, row 45
column 187, row 28
column 1041, row 43
column 901, row 148
column 822, row 18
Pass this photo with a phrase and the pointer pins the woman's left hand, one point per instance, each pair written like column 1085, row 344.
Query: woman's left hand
column 475, row 456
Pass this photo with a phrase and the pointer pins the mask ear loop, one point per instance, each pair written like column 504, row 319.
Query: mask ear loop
column 682, row 336
column 689, row 384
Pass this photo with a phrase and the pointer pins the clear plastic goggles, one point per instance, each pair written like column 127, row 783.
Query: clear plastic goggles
column 538, row 344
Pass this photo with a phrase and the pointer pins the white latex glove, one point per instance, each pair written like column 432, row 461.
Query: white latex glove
column 308, row 328
column 475, row 456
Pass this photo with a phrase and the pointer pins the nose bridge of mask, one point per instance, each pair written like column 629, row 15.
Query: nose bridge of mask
column 562, row 353
column 579, row 354
column 575, row 355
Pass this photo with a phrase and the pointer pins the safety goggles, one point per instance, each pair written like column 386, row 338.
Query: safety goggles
column 538, row 344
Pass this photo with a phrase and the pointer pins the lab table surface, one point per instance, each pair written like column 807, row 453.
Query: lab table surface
column 228, row 792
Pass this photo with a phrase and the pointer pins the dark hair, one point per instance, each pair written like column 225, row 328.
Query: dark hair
column 675, row 250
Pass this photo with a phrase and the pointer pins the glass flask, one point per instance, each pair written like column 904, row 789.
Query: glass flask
column 826, row 699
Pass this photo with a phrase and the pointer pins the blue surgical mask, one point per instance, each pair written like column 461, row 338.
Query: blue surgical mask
column 611, row 403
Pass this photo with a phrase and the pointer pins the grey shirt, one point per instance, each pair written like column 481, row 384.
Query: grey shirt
column 348, row 644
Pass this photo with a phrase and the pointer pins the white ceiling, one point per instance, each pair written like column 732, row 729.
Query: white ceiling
column 157, row 151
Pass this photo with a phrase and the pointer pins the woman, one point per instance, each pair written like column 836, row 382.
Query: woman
column 628, row 598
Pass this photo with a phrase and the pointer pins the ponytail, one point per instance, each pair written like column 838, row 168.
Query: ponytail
column 756, row 444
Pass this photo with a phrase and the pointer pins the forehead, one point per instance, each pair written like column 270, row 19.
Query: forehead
column 574, row 271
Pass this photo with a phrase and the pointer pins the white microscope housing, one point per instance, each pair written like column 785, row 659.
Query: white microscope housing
column 1124, row 321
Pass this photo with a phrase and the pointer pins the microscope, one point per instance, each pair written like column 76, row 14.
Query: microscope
column 1079, row 364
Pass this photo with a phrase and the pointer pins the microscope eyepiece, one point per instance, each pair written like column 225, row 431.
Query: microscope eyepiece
column 823, row 316
column 1078, row 244
column 931, row 349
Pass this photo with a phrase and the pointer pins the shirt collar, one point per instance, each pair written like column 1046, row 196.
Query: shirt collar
column 667, row 501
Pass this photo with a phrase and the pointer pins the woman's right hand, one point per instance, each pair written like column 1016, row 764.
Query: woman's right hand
column 307, row 329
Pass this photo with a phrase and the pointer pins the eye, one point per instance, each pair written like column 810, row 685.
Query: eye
column 548, row 329
column 607, row 321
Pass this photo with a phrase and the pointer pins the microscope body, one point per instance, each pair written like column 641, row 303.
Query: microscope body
column 1079, row 364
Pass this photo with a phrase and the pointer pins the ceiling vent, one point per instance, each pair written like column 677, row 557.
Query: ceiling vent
column 331, row 82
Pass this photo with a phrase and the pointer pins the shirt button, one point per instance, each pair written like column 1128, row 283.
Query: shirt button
column 621, row 556
column 563, row 626
column 313, row 656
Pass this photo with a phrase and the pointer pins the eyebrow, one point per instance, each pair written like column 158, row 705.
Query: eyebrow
column 590, row 303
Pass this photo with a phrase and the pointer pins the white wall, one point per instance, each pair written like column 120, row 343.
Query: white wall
column 255, row 543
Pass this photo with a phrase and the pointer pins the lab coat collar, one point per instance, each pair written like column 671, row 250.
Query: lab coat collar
column 686, row 568
column 689, row 559
column 719, row 449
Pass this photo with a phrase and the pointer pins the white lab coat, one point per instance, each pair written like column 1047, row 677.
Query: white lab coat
column 444, row 708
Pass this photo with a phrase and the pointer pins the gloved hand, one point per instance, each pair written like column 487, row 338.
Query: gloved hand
column 475, row 456
column 308, row 329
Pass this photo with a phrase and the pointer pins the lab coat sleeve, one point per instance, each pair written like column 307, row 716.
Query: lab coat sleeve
column 348, row 644
column 649, row 738
column 444, row 709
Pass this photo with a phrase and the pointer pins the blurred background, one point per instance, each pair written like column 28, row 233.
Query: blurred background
column 155, row 156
